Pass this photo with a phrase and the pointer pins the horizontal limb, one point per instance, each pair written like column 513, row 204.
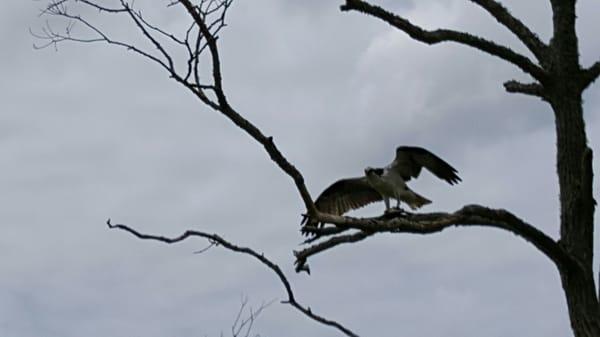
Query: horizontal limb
column 532, row 89
column 444, row 35
column 218, row 240
column 428, row 223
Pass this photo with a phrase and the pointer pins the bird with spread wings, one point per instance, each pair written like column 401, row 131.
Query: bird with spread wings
column 385, row 183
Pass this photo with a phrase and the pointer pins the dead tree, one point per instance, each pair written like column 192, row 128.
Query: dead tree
column 557, row 78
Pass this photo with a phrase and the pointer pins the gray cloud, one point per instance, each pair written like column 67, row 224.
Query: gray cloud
column 91, row 132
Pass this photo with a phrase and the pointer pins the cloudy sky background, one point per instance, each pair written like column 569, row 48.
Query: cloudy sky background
column 89, row 132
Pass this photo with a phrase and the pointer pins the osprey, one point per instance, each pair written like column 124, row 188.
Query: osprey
column 386, row 183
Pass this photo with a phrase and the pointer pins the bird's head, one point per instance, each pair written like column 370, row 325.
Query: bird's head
column 369, row 171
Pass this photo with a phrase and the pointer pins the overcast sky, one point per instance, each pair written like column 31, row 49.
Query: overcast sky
column 89, row 132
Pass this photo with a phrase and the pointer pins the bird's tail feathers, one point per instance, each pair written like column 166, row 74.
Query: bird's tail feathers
column 418, row 201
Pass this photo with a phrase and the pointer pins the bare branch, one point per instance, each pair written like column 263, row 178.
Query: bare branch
column 225, row 108
column 444, row 35
column 591, row 74
column 53, row 6
column 240, row 323
column 208, row 18
column 533, row 89
column 53, row 37
column 427, row 223
column 239, row 315
column 304, row 254
column 529, row 38
column 316, row 232
column 102, row 8
column 170, row 36
column 214, row 238
column 211, row 41
column 210, row 245
column 140, row 24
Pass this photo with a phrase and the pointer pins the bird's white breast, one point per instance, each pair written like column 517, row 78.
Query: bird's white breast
column 388, row 184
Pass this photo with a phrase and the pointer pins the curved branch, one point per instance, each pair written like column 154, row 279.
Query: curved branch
column 428, row 223
column 444, row 35
column 529, row 38
column 532, row 89
column 218, row 240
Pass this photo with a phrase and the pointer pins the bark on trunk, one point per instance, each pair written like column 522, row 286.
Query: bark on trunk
column 577, row 217
column 581, row 299
column 574, row 164
column 577, row 207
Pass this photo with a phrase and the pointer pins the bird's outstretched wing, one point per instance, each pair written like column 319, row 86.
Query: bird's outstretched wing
column 345, row 195
column 342, row 196
column 411, row 159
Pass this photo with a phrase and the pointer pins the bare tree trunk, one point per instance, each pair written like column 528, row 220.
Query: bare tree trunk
column 581, row 300
column 577, row 214
column 574, row 164
column 577, row 211
column 561, row 82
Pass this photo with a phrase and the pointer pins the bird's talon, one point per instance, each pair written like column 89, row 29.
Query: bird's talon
column 394, row 210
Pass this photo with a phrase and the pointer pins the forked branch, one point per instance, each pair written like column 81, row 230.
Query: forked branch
column 226, row 109
column 208, row 17
column 242, row 326
column 445, row 35
column 428, row 223
column 303, row 255
column 218, row 240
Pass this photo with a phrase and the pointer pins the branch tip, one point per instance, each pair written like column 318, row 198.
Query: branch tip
column 532, row 89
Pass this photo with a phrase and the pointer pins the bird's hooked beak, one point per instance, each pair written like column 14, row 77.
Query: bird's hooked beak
column 373, row 171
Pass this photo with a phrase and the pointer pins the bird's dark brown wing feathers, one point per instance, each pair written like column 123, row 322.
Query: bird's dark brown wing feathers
column 345, row 195
column 410, row 159
column 405, row 163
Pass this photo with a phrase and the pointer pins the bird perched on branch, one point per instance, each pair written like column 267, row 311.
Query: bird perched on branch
column 385, row 183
